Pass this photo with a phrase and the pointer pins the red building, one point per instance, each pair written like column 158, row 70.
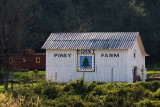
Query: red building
column 27, row 59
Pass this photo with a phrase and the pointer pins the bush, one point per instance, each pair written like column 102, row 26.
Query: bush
column 69, row 101
column 91, row 86
column 157, row 94
column 26, row 92
column 38, row 88
column 7, row 100
column 52, row 91
column 152, row 86
column 147, row 103
column 79, row 86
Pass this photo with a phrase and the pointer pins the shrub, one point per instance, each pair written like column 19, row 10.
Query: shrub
column 52, row 91
column 91, row 86
column 152, row 86
column 38, row 88
column 66, row 101
column 97, row 91
column 79, row 86
column 147, row 103
column 7, row 101
column 157, row 94
column 26, row 92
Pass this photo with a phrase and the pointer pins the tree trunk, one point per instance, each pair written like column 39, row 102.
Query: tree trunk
column 6, row 71
column 6, row 81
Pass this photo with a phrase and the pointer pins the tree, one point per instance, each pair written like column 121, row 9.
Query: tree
column 12, row 26
column 85, row 62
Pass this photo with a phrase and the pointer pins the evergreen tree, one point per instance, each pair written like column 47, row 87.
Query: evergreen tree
column 85, row 62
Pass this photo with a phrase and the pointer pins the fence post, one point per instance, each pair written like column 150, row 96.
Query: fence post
column 32, row 80
column 35, row 71
column 154, row 70
column 19, row 84
column 27, row 79
column 25, row 83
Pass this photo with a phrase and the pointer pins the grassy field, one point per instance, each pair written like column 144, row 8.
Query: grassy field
column 40, row 76
column 151, row 73
column 25, row 79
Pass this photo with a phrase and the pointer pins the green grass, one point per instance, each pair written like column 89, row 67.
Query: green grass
column 16, row 86
column 22, row 76
column 150, row 73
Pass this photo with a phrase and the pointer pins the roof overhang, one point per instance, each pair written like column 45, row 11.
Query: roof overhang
column 141, row 46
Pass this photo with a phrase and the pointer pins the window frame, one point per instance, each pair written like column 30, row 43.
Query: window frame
column 38, row 58
column 10, row 60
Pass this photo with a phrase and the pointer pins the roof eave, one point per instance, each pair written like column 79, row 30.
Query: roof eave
column 141, row 46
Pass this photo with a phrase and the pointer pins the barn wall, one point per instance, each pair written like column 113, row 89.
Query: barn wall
column 138, row 61
column 63, row 69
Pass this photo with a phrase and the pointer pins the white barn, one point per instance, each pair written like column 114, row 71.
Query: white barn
column 99, row 56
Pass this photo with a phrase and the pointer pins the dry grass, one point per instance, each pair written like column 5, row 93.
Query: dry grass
column 9, row 101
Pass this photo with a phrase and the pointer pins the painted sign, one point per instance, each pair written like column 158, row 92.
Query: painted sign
column 86, row 60
column 62, row 55
column 109, row 55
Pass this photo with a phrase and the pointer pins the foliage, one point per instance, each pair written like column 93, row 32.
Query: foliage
column 79, row 87
column 152, row 86
column 157, row 94
column 109, row 94
column 51, row 91
column 147, row 103
column 28, row 75
column 80, row 94
column 46, row 16
column 7, row 100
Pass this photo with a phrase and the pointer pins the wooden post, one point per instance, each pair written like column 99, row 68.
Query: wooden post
column 32, row 80
column 154, row 70
column 12, row 80
column 25, row 83
column 112, row 75
column 35, row 71
column 12, row 84
column 36, row 78
column 19, row 84
column 27, row 79
column 83, row 75
column 55, row 76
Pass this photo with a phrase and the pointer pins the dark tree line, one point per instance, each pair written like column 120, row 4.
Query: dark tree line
column 12, row 29
column 47, row 16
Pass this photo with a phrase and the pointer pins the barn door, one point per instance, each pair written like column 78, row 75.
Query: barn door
column 134, row 73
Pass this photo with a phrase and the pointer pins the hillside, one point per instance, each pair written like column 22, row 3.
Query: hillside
column 43, row 17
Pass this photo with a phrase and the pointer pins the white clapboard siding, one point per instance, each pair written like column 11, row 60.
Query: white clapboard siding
column 138, row 61
column 64, row 69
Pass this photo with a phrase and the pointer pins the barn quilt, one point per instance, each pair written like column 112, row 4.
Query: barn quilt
column 86, row 60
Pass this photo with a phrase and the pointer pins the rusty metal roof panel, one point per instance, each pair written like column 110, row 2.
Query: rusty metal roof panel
column 91, row 40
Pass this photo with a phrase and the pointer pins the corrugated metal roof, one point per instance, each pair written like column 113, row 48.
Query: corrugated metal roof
column 91, row 40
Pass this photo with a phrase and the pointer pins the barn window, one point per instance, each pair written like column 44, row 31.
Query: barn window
column 37, row 59
column 24, row 59
column 10, row 60
column 30, row 51
column 134, row 53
